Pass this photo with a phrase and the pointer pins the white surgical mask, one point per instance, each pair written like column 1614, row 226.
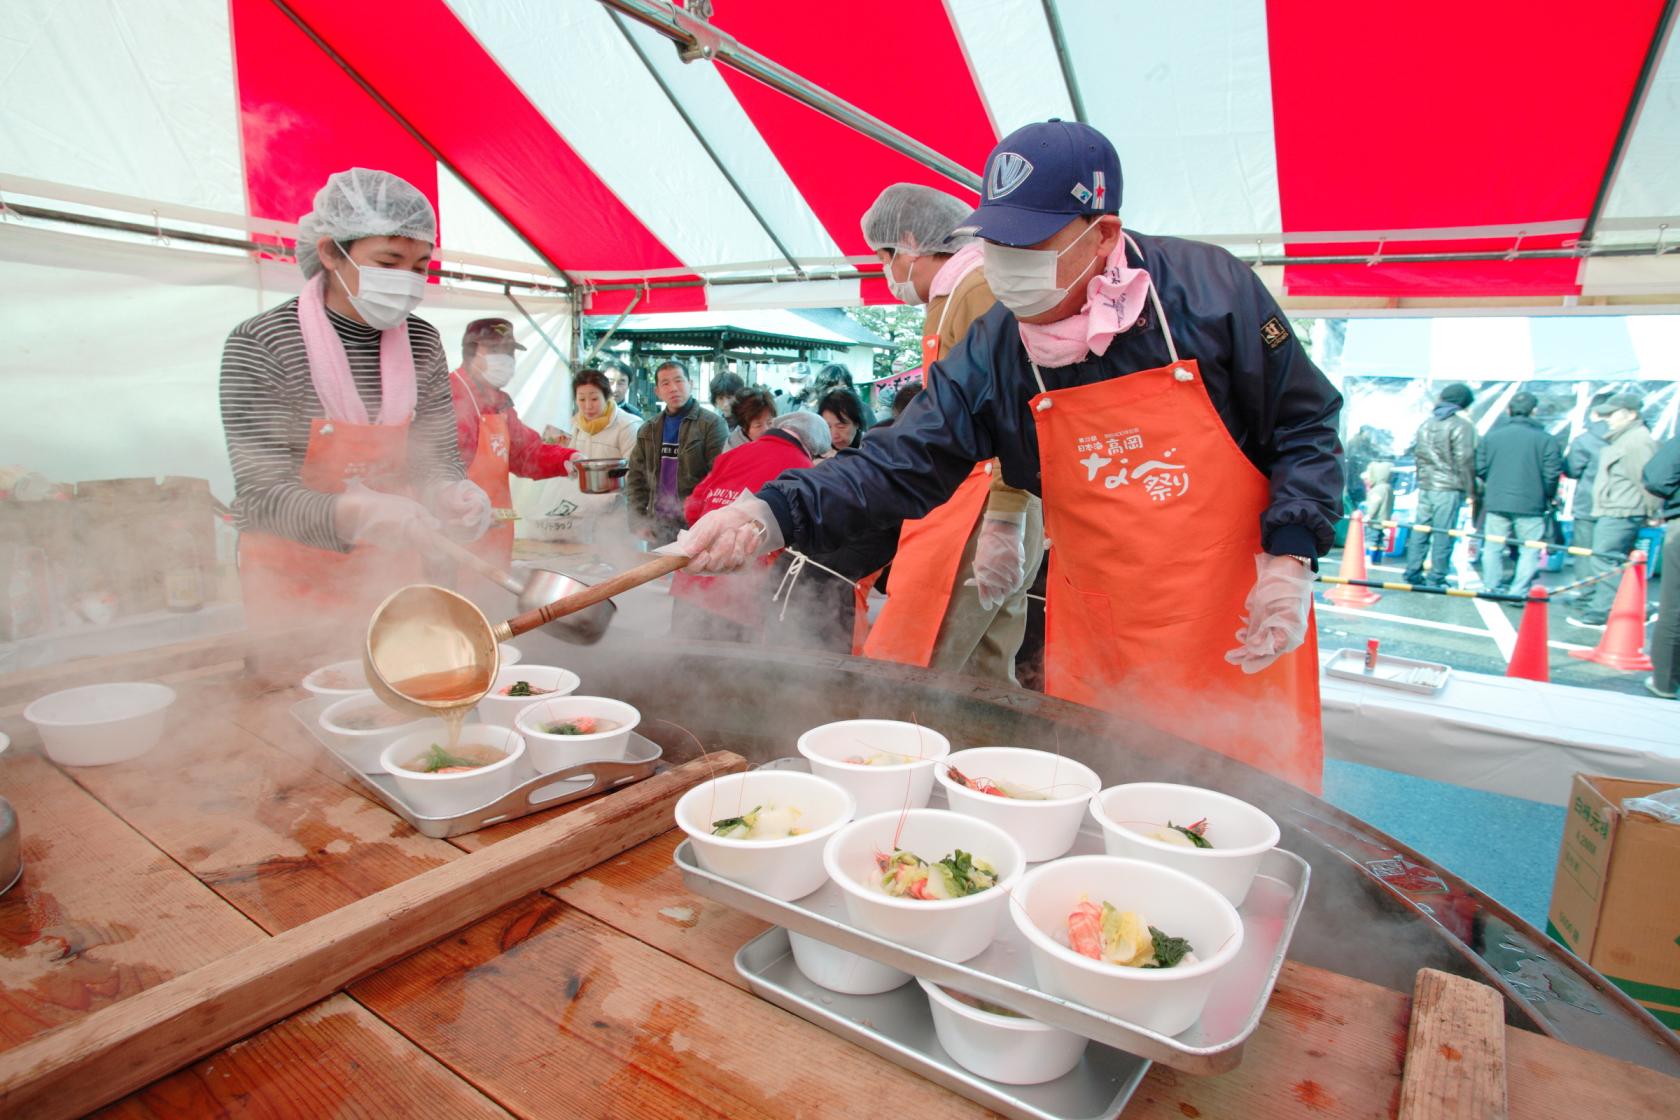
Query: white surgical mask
column 498, row 370
column 904, row 291
column 1024, row 280
column 385, row 296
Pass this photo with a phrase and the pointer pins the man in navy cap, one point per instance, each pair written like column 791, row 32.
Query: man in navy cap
column 1151, row 391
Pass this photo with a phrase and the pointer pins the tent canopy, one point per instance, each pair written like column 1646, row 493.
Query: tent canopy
column 569, row 140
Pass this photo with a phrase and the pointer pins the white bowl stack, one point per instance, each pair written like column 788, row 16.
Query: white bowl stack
column 1241, row 835
column 551, row 752
column 956, row 929
column 1045, row 829
column 1165, row 1000
column 877, row 789
column 786, row 869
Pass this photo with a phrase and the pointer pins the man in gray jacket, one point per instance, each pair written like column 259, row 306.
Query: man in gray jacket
column 1621, row 503
column 1581, row 464
column 1662, row 479
column 1445, row 453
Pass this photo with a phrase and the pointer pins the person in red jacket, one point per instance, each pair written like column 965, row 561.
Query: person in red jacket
column 494, row 444
column 731, row 608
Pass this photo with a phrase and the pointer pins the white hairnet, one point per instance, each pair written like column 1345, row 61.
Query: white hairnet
column 362, row 202
column 912, row 218
column 808, row 428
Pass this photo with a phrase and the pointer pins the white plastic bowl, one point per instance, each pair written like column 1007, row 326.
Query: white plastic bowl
column 503, row 710
column 1240, row 833
column 953, row 928
column 509, row 654
column 98, row 724
column 1045, row 829
column 316, row 681
column 784, row 869
column 449, row 795
column 1165, row 1000
column 1015, row 1051
column 840, row 971
column 876, row 788
column 363, row 748
column 556, row 752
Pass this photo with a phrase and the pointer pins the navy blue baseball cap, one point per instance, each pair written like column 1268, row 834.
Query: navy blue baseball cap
column 1042, row 176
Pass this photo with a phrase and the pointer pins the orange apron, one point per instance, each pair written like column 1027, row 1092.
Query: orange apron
column 279, row 578
column 489, row 471
column 1155, row 512
column 930, row 550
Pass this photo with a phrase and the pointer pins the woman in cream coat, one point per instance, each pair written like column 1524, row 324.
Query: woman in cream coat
column 600, row 430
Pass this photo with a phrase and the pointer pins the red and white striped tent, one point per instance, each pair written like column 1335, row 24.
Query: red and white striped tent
column 1522, row 155
column 569, row 138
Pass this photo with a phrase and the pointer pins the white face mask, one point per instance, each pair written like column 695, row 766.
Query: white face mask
column 498, row 370
column 904, row 291
column 385, row 296
column 1024, row 280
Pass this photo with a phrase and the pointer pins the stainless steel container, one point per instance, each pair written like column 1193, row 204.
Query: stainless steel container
column 601, row 476
column 11, row 848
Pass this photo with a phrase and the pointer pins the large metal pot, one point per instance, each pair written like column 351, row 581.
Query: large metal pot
column 601, row 476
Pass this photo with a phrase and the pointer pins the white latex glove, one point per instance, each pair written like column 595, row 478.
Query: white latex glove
column 724, row 540
column 463, row 508
column 1000, row 558
column 364, row 516
column 1275, row 618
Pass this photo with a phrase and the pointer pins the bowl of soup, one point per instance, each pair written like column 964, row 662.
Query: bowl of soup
column 440, row 779
column 360, row 727
column 517, row 687
column 564, row 731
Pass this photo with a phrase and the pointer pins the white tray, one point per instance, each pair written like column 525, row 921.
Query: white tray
column 1391, row 672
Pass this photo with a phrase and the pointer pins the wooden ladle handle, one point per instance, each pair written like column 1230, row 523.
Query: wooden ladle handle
column 589, row 596
column 463, row 555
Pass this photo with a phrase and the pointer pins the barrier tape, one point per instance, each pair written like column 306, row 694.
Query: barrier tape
column 1462, row 593
column 1471, row 535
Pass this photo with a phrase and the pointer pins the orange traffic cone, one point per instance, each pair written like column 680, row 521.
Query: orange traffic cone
column 1353, row 567
column 1529, row 660
column 1623, row 644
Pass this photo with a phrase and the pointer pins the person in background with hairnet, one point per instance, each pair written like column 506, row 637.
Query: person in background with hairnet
column 1151, row 391
column 493, row 443
column 337, row 414
column 959, row 579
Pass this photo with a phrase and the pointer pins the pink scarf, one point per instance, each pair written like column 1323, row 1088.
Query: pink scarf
column 329, row 365
column 1113, row 300
column 951, row 273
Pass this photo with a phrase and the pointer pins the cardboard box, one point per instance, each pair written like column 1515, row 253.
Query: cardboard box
column 1616, row 893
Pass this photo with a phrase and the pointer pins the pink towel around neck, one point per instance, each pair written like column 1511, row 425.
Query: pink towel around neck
column 329, row 365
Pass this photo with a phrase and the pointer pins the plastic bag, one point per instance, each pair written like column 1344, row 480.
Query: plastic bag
column 1664, row 806
column 556, row 509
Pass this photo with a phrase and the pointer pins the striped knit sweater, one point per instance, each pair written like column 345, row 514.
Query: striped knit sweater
column 268, row 402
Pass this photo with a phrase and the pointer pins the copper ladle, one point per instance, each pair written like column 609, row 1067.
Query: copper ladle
column 431, row 651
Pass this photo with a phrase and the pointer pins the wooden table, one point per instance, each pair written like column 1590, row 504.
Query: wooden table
column 610, row 994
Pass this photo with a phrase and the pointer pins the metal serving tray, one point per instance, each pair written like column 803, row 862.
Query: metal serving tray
column 1391, row 671
column 898, row 1026
column 532, row 792
column 1003, row 974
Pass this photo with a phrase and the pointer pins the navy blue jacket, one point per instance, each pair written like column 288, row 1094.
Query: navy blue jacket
column 1519, row 463
column 1275, row 403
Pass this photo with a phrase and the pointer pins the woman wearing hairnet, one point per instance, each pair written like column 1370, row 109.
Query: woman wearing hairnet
column 338, row 417
column 958, row 600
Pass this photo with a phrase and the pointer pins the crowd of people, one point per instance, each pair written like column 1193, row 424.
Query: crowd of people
column 1624, row 482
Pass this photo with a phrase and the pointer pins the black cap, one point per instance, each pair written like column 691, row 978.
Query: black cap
column 1630, row 401
column 1458, row 394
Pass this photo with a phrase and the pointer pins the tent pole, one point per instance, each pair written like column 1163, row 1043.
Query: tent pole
column 612, row 330
column 1630, row 118
column 572, row 298
column 698, row 39
column 567, row 280
column 706, row 145
column 1054, row 19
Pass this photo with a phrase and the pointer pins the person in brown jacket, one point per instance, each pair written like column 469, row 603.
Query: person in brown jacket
column 957, row 596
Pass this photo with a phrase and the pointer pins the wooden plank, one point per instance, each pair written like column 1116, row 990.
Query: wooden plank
column 1455, row 1051
column 553, row 1013
column 99, row 915
column 101, row 1057
column 333, row 1059
column 269, row 834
